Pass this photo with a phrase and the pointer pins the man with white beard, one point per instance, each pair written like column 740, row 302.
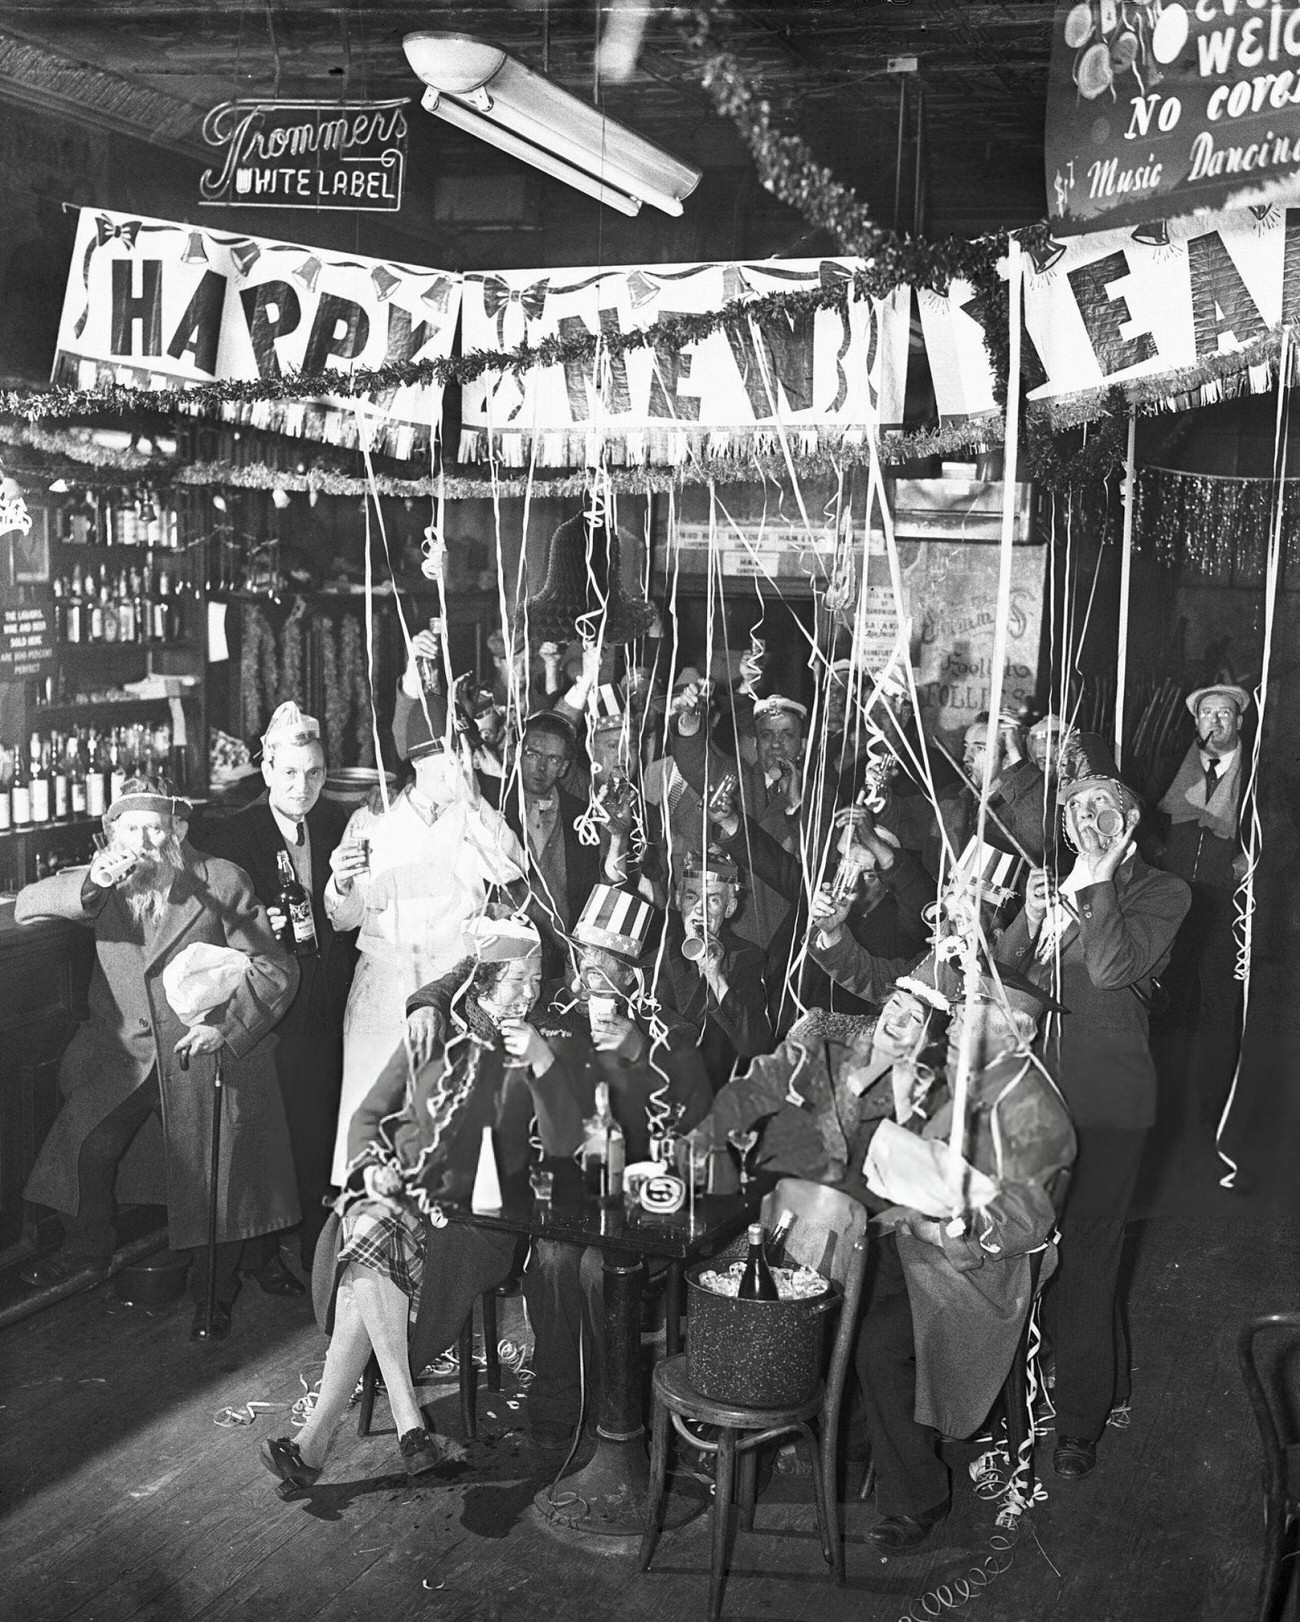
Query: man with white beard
column 148, row 895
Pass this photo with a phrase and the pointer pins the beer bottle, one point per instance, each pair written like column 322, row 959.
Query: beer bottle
column 756, row 1282
column 295, row 904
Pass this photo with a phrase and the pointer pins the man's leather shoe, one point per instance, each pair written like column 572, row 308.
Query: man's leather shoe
column 49, row 1271
column 896, row 1534
column 1074, row 1458
column 275, row 1278
column 207, row 1330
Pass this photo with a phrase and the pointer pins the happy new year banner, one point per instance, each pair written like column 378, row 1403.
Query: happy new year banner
column 1157, row 108
column 820, row 377
column 1115, row 310
column 158, row 305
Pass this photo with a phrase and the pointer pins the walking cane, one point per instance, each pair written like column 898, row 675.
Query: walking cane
column 217, row 1094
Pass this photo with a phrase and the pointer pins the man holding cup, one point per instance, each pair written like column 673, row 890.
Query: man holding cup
column 291, row 816
column 148, row 896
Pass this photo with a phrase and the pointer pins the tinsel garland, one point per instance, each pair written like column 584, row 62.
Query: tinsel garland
column 258, row 678
column 1215, row 527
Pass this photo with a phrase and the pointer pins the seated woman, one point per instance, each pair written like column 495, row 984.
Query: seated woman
column 414, row 1142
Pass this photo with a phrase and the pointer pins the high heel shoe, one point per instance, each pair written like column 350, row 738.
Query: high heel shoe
column 282, row 1458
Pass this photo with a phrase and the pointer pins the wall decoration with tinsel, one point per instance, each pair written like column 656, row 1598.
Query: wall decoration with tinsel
column 1215, row 527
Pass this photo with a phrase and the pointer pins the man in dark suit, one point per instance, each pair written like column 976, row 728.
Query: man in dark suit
column 291, row 816
column 1098, row 941
column 562, row 871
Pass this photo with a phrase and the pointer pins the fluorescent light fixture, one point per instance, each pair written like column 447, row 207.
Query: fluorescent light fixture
column 480, row 89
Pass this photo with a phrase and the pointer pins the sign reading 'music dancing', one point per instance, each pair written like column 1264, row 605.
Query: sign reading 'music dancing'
column 306, row 154
column 815, row 378
column 155, row 305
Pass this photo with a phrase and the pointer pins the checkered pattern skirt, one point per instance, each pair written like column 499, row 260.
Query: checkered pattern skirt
column 372, row 1236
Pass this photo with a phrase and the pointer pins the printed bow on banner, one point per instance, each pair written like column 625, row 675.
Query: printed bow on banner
column 105, row 231
column 498, row 296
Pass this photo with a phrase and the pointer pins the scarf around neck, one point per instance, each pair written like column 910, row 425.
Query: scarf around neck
column 1185, row 799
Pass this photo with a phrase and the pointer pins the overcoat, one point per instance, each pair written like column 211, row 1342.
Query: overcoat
column 132, row 1029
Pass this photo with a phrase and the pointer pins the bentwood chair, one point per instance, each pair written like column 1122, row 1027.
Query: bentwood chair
column 1273, row 1386
column 467, row 1371
column 828, row 1232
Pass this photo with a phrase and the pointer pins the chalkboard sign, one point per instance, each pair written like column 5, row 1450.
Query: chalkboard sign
column 27, row 640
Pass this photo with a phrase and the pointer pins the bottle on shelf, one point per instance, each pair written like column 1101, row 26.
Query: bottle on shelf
column 756, row 1282
column 604, row 1153
column 126, row 626
column 117, row 767
column 59, row 781
column 94, row 610
column 21, row 794
column 96, row 774
column 39, row 783
column 6, row 790
column 295, row 903
column 77, row 803
column 74, row 612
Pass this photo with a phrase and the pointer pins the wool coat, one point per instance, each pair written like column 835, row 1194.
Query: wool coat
column 132, row 1031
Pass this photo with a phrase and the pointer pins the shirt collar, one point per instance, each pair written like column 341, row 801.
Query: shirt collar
column 1221, row 762
column 288, row 828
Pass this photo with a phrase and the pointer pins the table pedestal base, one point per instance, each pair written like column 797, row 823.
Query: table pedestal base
column 606, row 1499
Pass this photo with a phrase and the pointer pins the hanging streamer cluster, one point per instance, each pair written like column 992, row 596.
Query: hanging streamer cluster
column 1217, row 527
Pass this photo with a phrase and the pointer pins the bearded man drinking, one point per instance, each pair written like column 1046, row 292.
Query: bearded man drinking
column 149, row 896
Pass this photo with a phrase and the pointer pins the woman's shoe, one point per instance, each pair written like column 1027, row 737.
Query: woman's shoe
column 283, row 1458
column 422, row 1451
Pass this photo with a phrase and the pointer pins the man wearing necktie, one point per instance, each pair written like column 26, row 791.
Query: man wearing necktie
column 1205, row 805
column 290, row 815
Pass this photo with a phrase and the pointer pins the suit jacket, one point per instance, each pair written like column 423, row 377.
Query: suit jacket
column 132, row 1031
column 251, row 838
column 581, row 862
column 1108, row 956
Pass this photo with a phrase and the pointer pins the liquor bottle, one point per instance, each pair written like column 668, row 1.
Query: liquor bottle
column 94, row 611
column 96, row 761
column 39, row 783
column 117, row 772
column 160, row 608
column 108, row 609
column 295, row 903
column 59, row 778
column 756, row 1282
column 59, row 586
column 143, row 606
column 22, row 791
column 431, row 669
column 126, row 627
column 74, row 615
column 6, row 791
column 604, row 1153
column 77, row 797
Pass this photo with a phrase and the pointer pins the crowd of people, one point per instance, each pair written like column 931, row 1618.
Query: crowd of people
column 803, row 926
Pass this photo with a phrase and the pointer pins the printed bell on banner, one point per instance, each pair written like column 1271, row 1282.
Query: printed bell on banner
column 384, row 281
column 245, row 254
column 437, row 295
column 573, row 588
column 1044, row 253
column 308, row 273
column 641, row 290
column 194, row 252
column 1154, row 235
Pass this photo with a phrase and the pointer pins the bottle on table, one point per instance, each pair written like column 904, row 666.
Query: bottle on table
column 756, row 1282
column 295, row 904
column 604, row 1152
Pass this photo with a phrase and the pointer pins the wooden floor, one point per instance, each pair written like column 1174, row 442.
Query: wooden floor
column 123, row 1500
